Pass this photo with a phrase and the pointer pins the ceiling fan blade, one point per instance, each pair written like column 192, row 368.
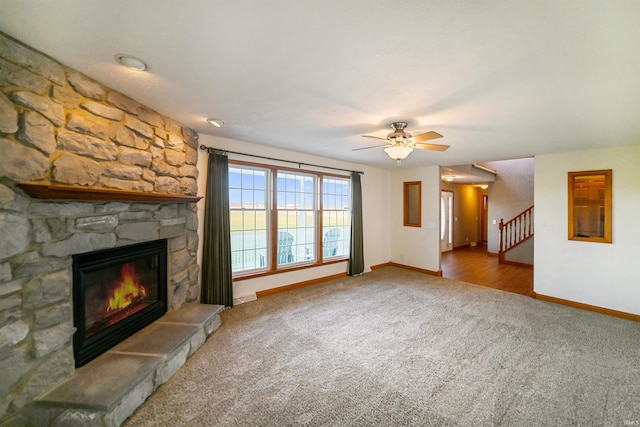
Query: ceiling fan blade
column 374, row 137
column 374, row 146
column 426, row 136
column 434, row 147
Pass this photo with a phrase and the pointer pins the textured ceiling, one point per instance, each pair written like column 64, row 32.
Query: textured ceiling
column 499, row 79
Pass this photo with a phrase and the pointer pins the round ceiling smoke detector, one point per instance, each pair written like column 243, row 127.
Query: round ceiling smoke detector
column 131, row 62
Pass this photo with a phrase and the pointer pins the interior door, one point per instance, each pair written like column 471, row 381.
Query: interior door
column 446, row 220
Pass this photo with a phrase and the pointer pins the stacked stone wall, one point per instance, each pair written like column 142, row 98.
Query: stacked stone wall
column 59, row 127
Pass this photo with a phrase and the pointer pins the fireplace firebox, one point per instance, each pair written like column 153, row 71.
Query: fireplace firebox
column 116, row 292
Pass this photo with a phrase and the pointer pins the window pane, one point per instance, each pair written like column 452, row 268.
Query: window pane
column 234, row 177
column 249, row 220
column 236, row 221
column 282, row 219
column 258, row 199
column 290, row 200
column 309, row 185
column 247, row 198
column 261, row 221
column 308, row 201
column 235, row 198
column 247, row 178
column 344, row 189
column 290, row 183
column 344, row 205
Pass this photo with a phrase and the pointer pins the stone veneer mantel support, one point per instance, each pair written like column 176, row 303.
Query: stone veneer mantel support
column 59, row 192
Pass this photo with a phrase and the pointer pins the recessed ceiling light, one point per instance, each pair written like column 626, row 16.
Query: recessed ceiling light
column 216, row 122
column 131, row 62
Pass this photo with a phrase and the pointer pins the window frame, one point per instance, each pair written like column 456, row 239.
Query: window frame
column 606, row 206
column 271, row 266
column 242, row 210
column 321, row 228
column 412, row 195
column 276, row 226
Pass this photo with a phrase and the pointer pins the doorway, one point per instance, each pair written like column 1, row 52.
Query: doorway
column 446, row 220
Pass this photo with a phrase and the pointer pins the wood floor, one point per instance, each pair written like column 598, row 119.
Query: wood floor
column 473, row 265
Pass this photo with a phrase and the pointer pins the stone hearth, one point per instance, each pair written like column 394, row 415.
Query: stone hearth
column 106, row 391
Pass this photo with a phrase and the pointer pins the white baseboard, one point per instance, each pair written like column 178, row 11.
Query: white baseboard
column 240, row 299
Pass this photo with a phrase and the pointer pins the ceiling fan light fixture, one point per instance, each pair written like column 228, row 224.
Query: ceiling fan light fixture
column 398, row 152
column 399, row 143
column 215, row 122
column 131, row 62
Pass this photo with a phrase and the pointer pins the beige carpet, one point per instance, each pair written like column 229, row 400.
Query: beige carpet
column 399, row 348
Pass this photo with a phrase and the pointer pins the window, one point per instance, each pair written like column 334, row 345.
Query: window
column 297, row 213
column 285, row 218
column 590, row 206
column 336, row 232
column 248, row 190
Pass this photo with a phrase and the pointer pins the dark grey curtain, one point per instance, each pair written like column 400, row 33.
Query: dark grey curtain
column 217, row 283
column 356, row 254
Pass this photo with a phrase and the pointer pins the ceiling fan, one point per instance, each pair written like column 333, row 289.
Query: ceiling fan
column 399, row 143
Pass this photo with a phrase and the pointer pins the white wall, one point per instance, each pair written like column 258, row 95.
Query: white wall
column 599, row 274
column 376, row 211
column 416, row 246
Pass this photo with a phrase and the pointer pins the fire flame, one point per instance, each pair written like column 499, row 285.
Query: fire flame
column 128, row 290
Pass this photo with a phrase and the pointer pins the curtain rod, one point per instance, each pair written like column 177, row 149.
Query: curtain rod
column 213, row 149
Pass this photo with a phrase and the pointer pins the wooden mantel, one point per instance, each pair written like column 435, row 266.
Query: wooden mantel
column 58, row 192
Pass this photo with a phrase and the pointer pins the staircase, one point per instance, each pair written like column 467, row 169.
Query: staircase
column 515, row 231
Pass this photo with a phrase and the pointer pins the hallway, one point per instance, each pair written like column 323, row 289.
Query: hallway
column 473, row 265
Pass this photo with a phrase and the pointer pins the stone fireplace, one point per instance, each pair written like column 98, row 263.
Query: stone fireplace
column 84, row 169
column 116, row 292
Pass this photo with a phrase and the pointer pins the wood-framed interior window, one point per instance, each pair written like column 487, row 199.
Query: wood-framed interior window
column 590, row 206
column 412, row 203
